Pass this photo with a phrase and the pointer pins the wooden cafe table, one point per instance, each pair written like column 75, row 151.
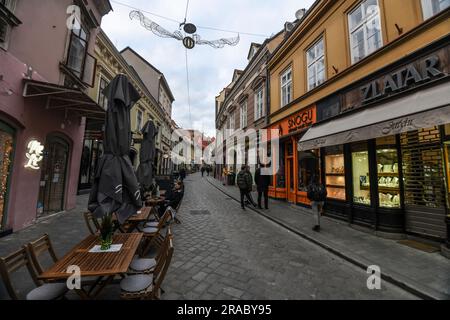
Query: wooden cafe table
column 103, row 265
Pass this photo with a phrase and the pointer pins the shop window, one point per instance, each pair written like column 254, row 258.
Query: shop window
column 388, row 173
column 365, row 29
column 361, row 177
column 281, row 177
column 6, row 154
column 447, row 166
column 308, row 166
column 335, row 173
column 433, row 7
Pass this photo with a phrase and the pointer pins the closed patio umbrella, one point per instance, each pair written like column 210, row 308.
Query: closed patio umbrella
column 116, row 188
column 147, row 156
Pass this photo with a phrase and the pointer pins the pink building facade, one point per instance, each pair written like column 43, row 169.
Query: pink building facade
column 46, row 64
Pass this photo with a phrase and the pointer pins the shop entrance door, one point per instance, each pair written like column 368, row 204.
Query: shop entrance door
column 291, row 182
column 53, row 177
column 424, row 182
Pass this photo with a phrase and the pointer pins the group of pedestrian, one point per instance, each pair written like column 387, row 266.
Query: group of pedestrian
column 316, row 192
column 245, row 184
column 207, row 169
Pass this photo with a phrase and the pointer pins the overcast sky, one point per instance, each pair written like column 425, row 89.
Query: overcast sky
column 210, row 69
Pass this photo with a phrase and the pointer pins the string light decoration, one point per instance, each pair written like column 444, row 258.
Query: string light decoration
column 188, row 41
column 4, row 171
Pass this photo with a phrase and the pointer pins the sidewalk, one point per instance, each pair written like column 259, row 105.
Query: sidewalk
column 424, row 274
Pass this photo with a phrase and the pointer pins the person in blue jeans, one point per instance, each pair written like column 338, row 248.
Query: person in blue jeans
column 317, row 194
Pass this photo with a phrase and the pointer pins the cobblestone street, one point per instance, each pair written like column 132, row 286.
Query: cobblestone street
column 222, row 252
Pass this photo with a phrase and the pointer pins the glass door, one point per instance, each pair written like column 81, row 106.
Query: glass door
column 53, row 177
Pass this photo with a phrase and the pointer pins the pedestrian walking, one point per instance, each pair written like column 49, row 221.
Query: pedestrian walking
column 262, row 186
column 245, row 183
column 182, row 174
column 317, row 194
column 203, row 170
column 224, row 175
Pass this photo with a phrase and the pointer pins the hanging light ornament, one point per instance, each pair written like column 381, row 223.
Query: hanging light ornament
column 188, row 41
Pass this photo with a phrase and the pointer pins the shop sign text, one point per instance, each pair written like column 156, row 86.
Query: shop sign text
column 34, row 154
column 413, row 74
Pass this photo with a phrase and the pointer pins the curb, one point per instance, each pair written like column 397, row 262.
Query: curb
column 387, row 276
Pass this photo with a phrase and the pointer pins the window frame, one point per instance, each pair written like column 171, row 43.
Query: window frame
column 257, row 98
column 243, row 115
column 139, row 120
column 429, row 3
column 315, row 63
column 362, row 26
column 289, row 82
column 101, row 97
column 11, row 21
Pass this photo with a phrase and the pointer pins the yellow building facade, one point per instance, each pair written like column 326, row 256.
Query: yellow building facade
column 345, row 68
column 109, row 64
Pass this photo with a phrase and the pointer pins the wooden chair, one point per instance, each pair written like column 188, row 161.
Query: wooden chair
column 37, row 248
column 147, row 265
column 151, row 233
column 144, row 286
column 43, row 291
column 91, row 223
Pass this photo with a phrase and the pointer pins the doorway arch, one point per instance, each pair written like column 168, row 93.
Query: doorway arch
column 52, row 190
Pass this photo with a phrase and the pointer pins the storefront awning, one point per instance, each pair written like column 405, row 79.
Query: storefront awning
column 424, row 109
column 64, row 98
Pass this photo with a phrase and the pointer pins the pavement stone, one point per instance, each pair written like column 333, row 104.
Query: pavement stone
column 243, row 255
column 412, row 269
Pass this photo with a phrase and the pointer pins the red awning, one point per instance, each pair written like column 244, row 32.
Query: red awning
column 67, row 99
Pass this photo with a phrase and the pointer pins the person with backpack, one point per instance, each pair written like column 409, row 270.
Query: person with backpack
column 317, row 194
column 245, row 183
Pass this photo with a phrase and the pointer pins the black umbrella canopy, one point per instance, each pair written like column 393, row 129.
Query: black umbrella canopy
column 147, row 155
column 116, row 188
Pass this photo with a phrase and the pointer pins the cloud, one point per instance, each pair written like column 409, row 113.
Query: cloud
column 210, row 69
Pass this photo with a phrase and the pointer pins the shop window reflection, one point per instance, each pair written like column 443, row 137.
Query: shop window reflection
column 361, row 178
column 308, row 166
column 281, row 178
column 335, row 173
column 388, row 173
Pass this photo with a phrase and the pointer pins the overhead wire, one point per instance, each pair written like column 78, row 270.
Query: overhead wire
column 178, row 22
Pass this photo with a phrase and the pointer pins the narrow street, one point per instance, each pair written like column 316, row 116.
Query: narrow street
column 222, row 252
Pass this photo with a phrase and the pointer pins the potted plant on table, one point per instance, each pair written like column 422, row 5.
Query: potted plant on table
column 106, row 232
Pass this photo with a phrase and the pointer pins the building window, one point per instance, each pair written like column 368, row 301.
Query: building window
column 102, row 100
column 315, row 57
column 286, row 87
column 139, row 116
column 244, row 115
column 433, row 7
column 365, row 29
column 8, row 21
column 259, row 104
column 77, row 48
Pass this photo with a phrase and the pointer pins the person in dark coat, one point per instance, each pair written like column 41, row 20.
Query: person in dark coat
column 182, row 174
column 203, row 170
column 172, row 199
column 262, row 184
column 245, row 183
column 317, row 194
